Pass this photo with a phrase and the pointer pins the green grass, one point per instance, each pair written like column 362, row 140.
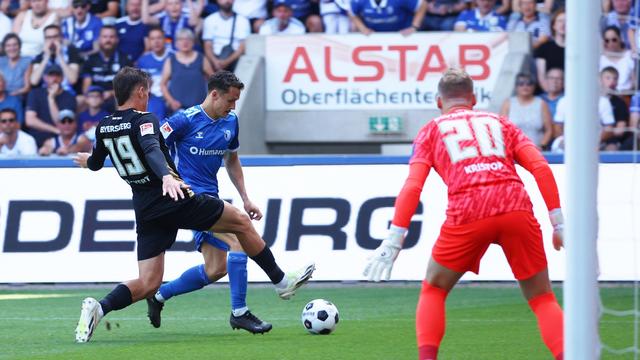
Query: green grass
column 376, row 322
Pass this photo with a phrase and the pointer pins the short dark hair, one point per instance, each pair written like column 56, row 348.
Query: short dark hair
column 107, row 27
column 154, row 28
column 10, row 36
column 222, row 80
column 126, row 80
column 9, row 110
column 610, row 69
column 52, row 26
column 455, row 83
column 613, row 28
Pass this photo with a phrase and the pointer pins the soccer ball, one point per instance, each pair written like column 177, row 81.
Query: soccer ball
column 320, row 316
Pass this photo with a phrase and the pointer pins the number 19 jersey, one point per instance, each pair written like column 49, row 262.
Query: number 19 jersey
column 474, row 153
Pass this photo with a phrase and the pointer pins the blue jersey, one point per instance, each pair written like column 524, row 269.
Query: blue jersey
column 131, row 34
column 82, row 35
column 152, row 64
column 386, row 15
column 474, row 21
column 198, row 143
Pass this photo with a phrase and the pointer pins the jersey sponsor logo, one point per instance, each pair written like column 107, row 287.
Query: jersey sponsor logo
column 194, row 150
column 114, row 128
column 146, row 129
column 474, row 168
column 142, row 181
column 166, row 130
column 199, row 135
column 227, row 135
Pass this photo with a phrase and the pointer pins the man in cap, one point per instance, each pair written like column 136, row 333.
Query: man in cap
column 43, row 105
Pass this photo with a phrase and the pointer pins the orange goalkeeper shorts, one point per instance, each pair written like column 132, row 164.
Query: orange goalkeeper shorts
column 460, row 247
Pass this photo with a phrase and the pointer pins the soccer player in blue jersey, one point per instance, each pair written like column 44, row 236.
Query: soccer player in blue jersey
column 200, row 139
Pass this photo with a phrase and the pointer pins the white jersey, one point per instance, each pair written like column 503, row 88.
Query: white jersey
column 605, row 111
column 251, row 9
column 270, row 27
column 25, row 145
column 218, row 30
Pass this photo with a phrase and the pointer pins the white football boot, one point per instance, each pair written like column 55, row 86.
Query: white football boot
column 90, row 316
column 295, row 280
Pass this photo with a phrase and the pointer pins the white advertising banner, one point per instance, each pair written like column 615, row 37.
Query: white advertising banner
column 382, row 71
column 72, row 225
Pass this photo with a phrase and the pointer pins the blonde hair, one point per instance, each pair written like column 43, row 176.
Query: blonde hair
column 455, row 83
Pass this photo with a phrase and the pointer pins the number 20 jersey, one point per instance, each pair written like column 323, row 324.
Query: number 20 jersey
column 474, row 154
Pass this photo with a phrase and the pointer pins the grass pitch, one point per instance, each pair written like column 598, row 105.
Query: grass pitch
column 376, row 322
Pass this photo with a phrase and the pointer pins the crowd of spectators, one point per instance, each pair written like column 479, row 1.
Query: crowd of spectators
column 58, row 58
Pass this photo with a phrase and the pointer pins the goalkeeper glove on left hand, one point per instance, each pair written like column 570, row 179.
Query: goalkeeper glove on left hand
column 381, row 262
column 557, row 220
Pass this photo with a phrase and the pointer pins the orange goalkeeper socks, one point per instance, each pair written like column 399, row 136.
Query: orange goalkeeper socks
column 550, row 322
column 430, row 320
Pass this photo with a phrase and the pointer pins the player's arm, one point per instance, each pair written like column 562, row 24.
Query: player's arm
column 532, row 160
column 95, row 160
column 381, row 262
column 234, row 169
column 147, row 133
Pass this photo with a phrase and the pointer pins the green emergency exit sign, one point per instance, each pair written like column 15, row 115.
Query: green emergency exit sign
column 385, row 124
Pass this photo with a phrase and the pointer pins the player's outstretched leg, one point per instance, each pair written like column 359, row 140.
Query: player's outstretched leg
column 543, row 303
column 235, row 222
column 123, row 295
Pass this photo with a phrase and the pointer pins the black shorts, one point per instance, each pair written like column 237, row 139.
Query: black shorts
column 157, row 235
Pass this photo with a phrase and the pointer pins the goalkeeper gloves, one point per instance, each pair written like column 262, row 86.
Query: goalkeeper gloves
column 381, row 262
column 557, row 221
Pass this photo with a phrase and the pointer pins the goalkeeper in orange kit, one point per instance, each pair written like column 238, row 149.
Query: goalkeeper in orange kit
column 475, row 153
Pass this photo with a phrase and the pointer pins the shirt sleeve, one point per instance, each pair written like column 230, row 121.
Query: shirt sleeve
column 147, row 131
column 560, row 111
column 635, row 104
column 606, row 112
column 99, row 153
column 173, row 128
column 207, row 28
column 421, row 150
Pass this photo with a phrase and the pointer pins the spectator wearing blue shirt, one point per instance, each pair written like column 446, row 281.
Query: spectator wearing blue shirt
column 282, row 22
column 531, row 21
column 387, row 15
column 173, row 19
column 10, row 102
column 442, row 14
column 95, row 109
column 132, row 31
column 555, row 89
column 82, row 28
column 482, row 19
column 152, row 62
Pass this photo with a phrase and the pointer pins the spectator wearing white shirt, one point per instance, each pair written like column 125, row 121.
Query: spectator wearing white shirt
column 283, row 22
column 5, row 25
column 335, row 17
column 614, row 54
column 605, row 113
column 254, row 10
column 220, row 48
column 13, row 141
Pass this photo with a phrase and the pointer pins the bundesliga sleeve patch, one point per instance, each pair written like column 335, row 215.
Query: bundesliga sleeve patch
column 146, row 129
column 166, row 130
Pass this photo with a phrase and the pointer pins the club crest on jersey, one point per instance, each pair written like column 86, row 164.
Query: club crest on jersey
column 146, row 129
column 199, row 135
column 166, row 130
column 227, row 135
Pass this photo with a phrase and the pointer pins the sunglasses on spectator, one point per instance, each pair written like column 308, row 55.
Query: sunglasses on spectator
column 4, row 121
column 67, row 121
column 524, row 83
column 612, row 40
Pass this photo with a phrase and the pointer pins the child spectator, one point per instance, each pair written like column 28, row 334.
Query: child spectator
column 95, row 109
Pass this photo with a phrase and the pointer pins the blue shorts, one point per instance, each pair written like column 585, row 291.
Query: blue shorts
column 207, row 236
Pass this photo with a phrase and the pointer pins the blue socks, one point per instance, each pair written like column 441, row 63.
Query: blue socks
column 190, row 280
column 237, row 271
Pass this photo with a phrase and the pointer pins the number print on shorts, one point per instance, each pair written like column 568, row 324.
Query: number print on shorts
column 123, row 151
column 488, row 135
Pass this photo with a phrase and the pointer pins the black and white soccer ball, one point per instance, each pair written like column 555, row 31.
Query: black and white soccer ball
column 320, row 316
